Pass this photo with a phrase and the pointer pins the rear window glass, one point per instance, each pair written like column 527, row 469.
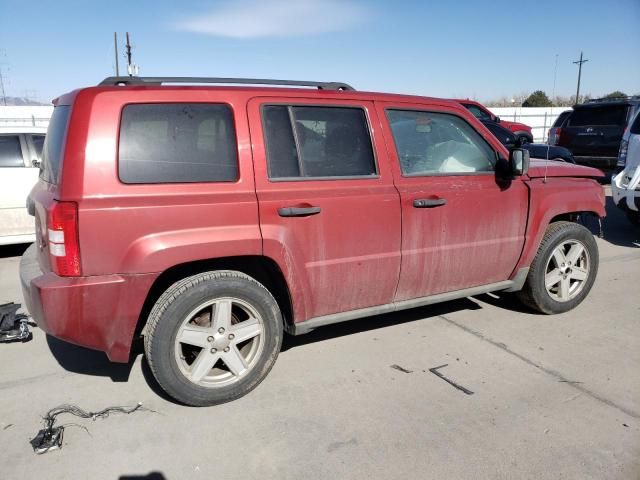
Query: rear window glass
column 52, row 150
column 307, row 142
column 177, row 143
column 609, row 115
column 10, row 151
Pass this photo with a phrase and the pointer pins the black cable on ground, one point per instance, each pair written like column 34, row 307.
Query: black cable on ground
column 50, row 437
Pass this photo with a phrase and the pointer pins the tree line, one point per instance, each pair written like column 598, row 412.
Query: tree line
column 540, row 99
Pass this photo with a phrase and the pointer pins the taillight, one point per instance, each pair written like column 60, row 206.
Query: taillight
column 554, row 135
column 62, row 232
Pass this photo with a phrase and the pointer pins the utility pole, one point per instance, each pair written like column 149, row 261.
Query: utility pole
column 115, row 46
column 579, row 63
column 4, row 97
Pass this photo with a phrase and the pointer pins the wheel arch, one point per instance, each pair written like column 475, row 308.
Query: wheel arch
column 261, row 268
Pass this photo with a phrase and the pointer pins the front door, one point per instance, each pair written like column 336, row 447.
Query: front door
column 329, row 211
column 460, row 227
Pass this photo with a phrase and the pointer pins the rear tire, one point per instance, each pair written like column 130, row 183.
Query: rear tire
column 213, row 337
column 563, row 271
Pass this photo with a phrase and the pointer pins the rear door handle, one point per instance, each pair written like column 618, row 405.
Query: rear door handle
column 298, row 211
column 429, row 202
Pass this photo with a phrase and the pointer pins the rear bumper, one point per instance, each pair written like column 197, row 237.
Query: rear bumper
column 98, row 312
column 608, row 163
column 626, row 197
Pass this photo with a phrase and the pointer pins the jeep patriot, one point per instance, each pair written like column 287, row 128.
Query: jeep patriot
column 212, row 218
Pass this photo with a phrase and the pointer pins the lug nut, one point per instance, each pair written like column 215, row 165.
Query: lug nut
column 214, row 350
column 231, row 336
column 209, row 339
column 221, row 330
column 226, row 349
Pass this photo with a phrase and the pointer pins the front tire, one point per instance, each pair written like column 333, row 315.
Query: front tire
column 563, row 271
column 213, row 337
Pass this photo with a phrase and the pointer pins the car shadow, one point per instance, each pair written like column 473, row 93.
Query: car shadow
column 8, row 251
column 618, row 230
column 375, row 322
column 89, row 362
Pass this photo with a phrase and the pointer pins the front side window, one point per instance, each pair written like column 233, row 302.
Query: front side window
column 312, row 142
column 38, row 143
column 10, row 151
column 430, row 143
column 177, row 143
column 479, row 113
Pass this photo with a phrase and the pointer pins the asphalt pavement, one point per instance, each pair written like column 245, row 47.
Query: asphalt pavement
column 547, row 397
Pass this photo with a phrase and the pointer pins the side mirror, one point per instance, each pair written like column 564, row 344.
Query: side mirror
column 519, row 161
column 497, row 119
column 35, row 163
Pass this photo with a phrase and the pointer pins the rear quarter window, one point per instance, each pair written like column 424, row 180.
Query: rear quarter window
column 177, row 143
column 53, row 147
column 613, row 115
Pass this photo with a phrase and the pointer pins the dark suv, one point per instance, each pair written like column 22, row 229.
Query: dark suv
column 212, row 219
column 593, row 130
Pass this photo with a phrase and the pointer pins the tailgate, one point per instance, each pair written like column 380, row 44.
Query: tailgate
column 595, row 130
column 594, row 141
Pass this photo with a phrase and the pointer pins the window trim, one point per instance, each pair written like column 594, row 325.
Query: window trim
column 290, row 106
column 235, row 136
column 493, row 160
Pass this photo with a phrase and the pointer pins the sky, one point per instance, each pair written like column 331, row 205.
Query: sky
column 464, row 49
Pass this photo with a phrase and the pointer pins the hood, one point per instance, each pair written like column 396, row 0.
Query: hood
column 514, row 126
column 549, row 168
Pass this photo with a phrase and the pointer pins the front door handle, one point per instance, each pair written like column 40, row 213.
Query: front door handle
column 429, row 202
column 298, row 211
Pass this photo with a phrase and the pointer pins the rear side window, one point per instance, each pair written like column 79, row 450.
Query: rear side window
column 10, row 151
column 312, row 142
column 606, row 115
column 52, row 150
column 561, row 119
column 177, row 143
column 38, row 143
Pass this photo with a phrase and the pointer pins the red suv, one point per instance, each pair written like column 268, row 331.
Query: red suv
column 211, row 219
column 520, row 130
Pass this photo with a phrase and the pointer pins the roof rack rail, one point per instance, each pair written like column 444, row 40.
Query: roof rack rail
column 613, row 99
column 113, row 81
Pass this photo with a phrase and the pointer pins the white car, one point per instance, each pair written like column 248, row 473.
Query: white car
column 20, row 154
column 625, row 186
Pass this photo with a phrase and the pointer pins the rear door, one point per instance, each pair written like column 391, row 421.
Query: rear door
column 329, row 212
column 17, row 180
column 595, row 131
column 461, row 228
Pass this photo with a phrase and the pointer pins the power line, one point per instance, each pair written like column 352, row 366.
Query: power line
column 579, row 63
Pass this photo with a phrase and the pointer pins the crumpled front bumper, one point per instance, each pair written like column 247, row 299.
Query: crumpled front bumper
column 625, row 189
